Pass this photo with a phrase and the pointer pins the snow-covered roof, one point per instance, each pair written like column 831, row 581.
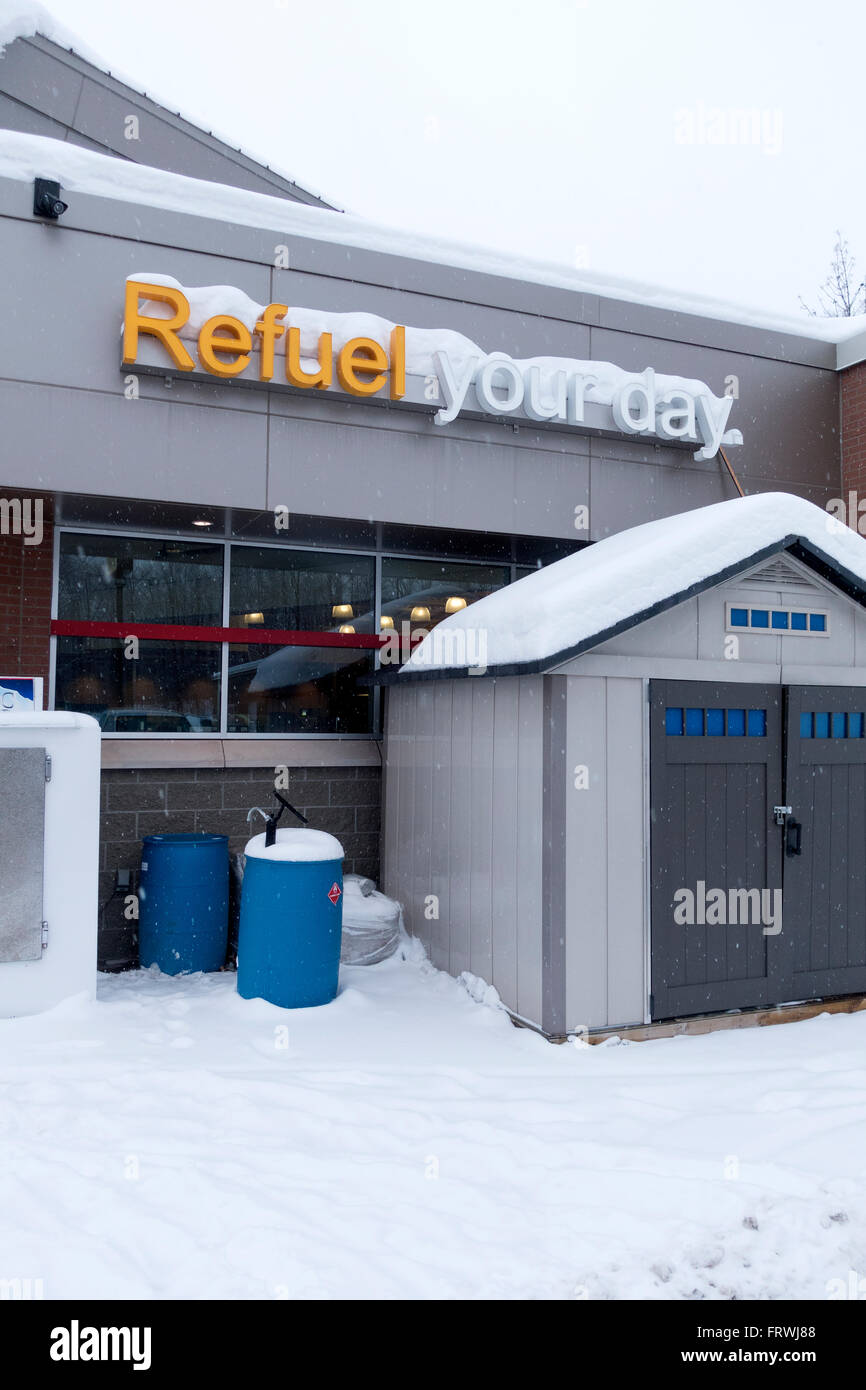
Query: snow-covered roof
column 25, row 157
column 27, row 19
column 576, row 603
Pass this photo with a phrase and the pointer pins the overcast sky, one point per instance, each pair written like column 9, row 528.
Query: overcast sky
column 604, row 133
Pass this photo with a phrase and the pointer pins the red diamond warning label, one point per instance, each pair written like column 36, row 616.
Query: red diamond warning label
column 335, row 892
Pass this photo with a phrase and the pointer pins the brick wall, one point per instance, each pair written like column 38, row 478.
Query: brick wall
column 854, row 430
column 25, row 596
column 344, row 801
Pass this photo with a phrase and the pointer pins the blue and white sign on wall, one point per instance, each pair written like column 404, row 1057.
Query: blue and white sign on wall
column 20, row 694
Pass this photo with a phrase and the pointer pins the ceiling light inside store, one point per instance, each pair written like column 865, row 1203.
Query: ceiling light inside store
column 453, row 605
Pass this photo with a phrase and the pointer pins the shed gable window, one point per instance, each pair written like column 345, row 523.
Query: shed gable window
column 802, row 622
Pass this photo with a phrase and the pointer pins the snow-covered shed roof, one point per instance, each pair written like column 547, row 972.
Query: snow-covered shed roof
column 556, row 613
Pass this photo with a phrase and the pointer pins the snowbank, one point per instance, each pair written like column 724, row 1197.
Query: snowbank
column 405, row 1142
column 592, row 591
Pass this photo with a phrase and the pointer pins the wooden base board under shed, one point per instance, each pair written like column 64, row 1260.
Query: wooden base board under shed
column 715, row 1023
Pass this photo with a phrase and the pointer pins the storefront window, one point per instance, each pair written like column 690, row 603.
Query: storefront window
column 155, row 687
column 123, row 579
column 294, row 629
column 420, row 593
column 299, row 690
column 307, row 591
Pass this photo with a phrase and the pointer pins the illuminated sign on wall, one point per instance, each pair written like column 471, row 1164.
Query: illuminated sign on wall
column 438, row 370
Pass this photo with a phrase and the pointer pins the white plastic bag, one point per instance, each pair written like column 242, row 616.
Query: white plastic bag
column 372, row 923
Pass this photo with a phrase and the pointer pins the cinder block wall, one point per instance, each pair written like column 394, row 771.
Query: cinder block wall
column 345, row 801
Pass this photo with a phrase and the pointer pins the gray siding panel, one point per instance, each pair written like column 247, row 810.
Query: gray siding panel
column 587, row 882
column 606, row 867
column 422, row 797
column 463, row 813
column 554, row 855
column 425, row 474
column 461, row 828
column 482, row 818
column 85, row 438
column 504, row 847
column 391, row 753
column 440, row 851
column 626, row 864
column 529, row 845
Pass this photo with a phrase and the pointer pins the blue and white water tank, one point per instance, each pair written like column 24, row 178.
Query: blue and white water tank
column 291, row 919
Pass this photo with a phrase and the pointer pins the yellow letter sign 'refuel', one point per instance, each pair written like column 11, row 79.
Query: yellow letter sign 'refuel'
column 225, row 346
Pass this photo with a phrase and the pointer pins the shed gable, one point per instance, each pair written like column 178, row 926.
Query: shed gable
column 776, row 615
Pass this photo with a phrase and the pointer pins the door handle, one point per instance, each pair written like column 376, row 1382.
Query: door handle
column 793, row 838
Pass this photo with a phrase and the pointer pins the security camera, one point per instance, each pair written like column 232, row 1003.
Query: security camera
column 47, row 201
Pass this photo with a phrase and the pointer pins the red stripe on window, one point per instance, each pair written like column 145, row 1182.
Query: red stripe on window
column 246, row 636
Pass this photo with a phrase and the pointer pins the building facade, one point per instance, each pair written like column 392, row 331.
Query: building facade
column 210, row 557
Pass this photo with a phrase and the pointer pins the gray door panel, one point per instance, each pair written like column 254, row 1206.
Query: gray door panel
column 22, row 824
column 825, row 885
column 712, row 794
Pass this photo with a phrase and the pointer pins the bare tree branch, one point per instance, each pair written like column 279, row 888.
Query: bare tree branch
column 842, row 295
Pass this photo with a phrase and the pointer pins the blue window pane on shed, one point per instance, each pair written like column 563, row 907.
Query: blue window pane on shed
column 716, row 722
column 694, row 721
column 736, row 722
column 798, row 622
column 760, row 617
column 807, row 726
column 739, row 617
column 822, row 725
column 817, row 622
column 757, row 723
column 780, row 618
column 837, row 724
column 673, row 721
column 855, row 725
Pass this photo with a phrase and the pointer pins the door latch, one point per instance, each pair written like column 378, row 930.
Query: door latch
column 45, row 936
column 781, row 814
column 793, row 838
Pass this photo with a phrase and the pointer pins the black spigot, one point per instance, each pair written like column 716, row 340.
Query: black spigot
column 273, row 819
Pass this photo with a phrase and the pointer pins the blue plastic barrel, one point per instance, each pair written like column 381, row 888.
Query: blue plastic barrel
column 291, row 919
column 183, row 902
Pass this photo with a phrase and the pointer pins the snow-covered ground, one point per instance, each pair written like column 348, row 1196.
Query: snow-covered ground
column 175, row 1141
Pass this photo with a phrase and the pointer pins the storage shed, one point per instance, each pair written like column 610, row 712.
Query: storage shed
column 632, row 786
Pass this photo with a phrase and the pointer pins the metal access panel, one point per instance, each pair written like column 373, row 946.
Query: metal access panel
column 715, row 776
column 22, row 834
column 825, row 850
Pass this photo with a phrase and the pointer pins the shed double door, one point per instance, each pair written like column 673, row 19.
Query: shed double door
column 753, row 905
